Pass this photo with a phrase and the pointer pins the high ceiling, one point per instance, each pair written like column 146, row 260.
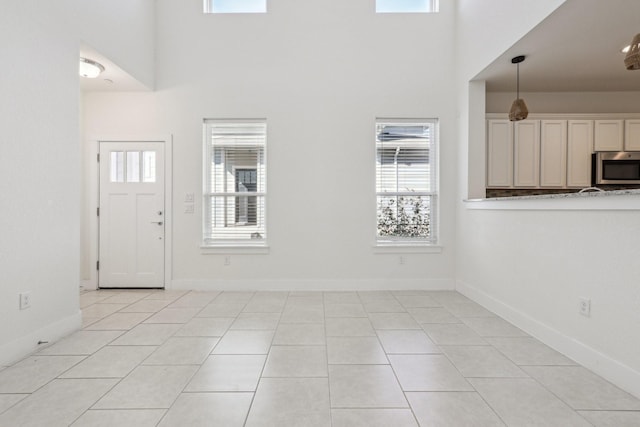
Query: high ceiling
column 112, row 79
column 577, row 48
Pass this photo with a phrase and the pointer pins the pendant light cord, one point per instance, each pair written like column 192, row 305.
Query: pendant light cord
column 518, row 80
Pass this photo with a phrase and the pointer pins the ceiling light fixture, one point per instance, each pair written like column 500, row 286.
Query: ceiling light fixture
column 632, row 60
column 519, row 109
column 90, row 69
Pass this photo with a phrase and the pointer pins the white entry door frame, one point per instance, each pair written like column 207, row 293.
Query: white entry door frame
column 93, row 202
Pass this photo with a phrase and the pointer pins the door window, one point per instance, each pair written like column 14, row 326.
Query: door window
column 132, row 166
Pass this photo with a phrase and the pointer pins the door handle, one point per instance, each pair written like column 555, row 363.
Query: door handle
column 156, row 222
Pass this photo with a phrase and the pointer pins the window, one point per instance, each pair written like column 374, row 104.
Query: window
column 406, row 181
column 131, row 166
column 234, row 183
column 235, row 6
column 406, row 6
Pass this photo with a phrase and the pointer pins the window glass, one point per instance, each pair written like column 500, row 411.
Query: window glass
column 236, row 6
column 406, row 6
column 133, row 166
column 148, row 166
column 117, row 166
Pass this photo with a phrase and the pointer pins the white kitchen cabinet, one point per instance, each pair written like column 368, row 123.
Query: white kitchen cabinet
column 553, row 153
column 499, row 154
column 608, row 135
column 526, row 150
column 632, row 135
column 579, row 150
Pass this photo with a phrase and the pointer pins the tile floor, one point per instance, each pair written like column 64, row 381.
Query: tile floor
column 341, row 359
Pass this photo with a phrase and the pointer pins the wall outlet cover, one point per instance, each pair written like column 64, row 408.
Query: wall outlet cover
column 25, row 300
column 584, row 306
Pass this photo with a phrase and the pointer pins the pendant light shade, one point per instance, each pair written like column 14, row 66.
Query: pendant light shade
column 632, row 60
column 518, row 109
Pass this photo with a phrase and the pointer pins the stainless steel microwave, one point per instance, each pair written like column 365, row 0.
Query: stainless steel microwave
column 617, row 167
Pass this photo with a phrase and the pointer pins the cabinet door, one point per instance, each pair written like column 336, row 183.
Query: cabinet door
column 499, row 153
column 579, row 150
column 553, row 153
column 632, row 135
column 527, row 154
column 609, row 135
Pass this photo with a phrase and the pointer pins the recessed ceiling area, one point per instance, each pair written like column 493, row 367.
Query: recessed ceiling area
column 113, row 78
column 577, row 48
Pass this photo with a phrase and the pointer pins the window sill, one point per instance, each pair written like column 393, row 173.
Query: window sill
column 399, row 248
column 234, row 249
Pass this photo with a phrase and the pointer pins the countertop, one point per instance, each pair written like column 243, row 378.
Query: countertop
column 575, row 195
column 613, row 200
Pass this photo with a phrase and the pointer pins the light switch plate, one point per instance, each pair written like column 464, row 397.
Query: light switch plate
column 189, row 198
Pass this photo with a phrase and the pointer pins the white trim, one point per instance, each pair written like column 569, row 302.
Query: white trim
column 26, row 344
column 94, row 193
column 406, row 249
column 240, row 250
column 313, row 284
column 619, row 374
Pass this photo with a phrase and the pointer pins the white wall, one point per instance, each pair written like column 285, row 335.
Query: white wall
column 567, row 102
column 40, row 169
column 531, row 266
column 39, row 180
column 320, row 73
column 121, row 30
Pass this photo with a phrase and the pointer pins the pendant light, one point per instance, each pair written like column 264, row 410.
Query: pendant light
column 519, row 109
column 632, row 60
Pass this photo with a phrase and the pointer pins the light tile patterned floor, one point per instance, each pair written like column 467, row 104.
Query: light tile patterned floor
column 302, row 359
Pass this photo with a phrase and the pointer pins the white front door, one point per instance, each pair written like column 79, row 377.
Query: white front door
column 131, row 215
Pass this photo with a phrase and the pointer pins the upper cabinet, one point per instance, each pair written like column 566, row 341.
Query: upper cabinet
column 632, row 135
column 553, row 153
column 609, row 135
column 579, row 150
column 499, row 154
column 526, row 142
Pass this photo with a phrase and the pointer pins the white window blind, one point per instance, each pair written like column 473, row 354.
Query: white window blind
column 234, row 183
column 406, row 181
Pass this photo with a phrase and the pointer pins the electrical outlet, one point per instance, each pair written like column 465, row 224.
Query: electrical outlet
column 584, row 306
column 188, row 208
column 227, row 260
column 401, row 260
column 25, row 300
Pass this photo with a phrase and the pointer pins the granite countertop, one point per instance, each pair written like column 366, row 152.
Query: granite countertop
column 585, row 194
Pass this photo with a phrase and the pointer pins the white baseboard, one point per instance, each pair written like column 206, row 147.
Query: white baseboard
column 27, row 344
column 610, row 369
column 312, row 285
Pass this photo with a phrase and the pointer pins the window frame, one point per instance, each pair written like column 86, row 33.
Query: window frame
column 433, row 192
column 208, row 241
